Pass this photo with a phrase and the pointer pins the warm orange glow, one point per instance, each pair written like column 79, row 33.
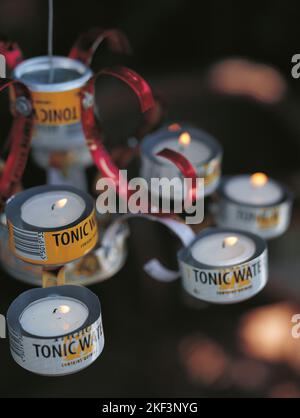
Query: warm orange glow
column 265, row 332
column 259, row 179
column 230, row 241
column 174, row 127
column 185, row 139
column 244, row 77
column 64, row 309
column 204, row 360
column 61, row 203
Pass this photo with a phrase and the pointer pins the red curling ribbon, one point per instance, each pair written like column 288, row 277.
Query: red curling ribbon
column 84, row 50
column 185, row 167
column 20, row 138
column 101, row 157
column 139, row 86
column 12, row 53
column 93, row 133
column 122, row 155
column 87, row 43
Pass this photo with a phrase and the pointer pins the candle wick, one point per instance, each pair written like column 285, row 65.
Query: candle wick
column 55, row 310
column 53, row 206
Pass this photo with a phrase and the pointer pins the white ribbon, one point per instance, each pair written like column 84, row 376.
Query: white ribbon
column 153, row 267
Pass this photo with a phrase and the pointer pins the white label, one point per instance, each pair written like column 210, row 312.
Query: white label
column 226, row 285
column 157, row 271
column 154, row 267
column 265, row 222
column 58, row 356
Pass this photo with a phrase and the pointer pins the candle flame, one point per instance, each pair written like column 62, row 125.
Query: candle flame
column 230, row 241
column 259, row 179
column 64, row 309
column 184, row 139
column 174, row 127
column 60, row 203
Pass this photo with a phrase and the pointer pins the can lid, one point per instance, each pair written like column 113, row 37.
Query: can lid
column 153, row 139
column 185, row 255
column 69, row 73
column 82, row 294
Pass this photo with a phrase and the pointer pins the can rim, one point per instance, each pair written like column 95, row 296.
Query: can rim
column 185, row 254
column 14, row 205
column 42, row 63
column 151, row 140
column 82, row 294
column 287, row 195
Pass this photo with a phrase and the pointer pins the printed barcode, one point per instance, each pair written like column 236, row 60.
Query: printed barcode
column 30, row 244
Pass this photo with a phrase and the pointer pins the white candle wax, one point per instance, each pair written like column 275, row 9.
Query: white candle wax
column 52, row 209
column 255, row 189
column 223, row 249
column 54, row 316
column 195, row 151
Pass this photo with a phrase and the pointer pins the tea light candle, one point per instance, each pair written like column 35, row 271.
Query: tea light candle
column 255, row 189
column 53, row 316
column 51, row 225
column 195, row 151
column 52, row 209
column 201, row 149
column 55, row 331
column 224, row 265
column 223, row 249
column 254, row 203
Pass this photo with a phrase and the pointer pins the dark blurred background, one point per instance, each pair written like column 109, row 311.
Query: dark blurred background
column 226, row 67
column 168, row 36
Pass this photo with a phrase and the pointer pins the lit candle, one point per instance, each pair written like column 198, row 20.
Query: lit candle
column 53, row 316
column 55, row 331
column 224, row 265
column 254, row 203
column 255, row 189
column 52, row 209
column 201, row 149
column 223, row 249
column 195, row 151
column 51, row 225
